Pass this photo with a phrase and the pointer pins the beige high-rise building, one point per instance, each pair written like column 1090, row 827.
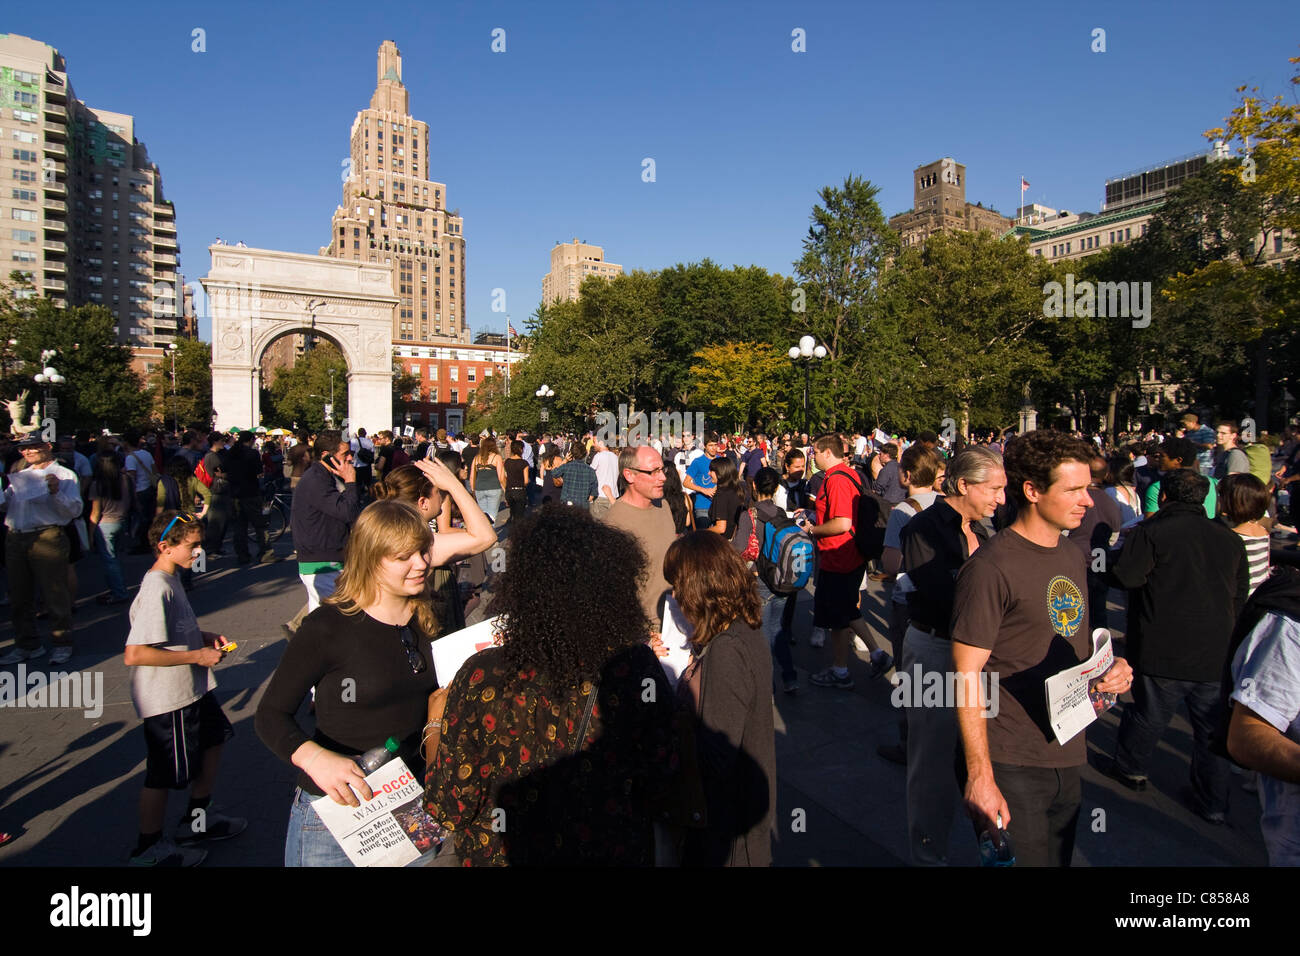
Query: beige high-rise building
column 572, row 262
column 939, row 205
column 83, row 208
column 393, row 213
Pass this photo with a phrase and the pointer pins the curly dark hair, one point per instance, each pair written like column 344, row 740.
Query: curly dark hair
column 569, row 596
column 1034, row 457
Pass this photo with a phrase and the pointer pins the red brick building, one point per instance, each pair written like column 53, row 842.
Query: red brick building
column 448, row 375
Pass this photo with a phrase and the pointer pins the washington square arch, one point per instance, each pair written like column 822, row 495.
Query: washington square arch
column 257, row 295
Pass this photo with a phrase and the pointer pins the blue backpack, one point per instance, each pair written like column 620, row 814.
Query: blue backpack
column 785, row 555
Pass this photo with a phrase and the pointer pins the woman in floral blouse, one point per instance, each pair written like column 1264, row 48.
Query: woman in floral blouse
column 554, row 743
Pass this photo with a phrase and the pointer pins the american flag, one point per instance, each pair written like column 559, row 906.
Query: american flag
column 511, row 329
column 1023, row 184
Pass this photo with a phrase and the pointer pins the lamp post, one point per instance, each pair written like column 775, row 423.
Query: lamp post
column 805, row 353
column 171, row 351
column 544, row 395
column 48, row 376
column 330, row 416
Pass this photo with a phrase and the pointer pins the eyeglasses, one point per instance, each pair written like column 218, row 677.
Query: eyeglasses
column 413, row 655
column 182, row 518
column 648, row 471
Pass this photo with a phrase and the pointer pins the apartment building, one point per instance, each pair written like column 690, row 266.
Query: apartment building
column 393, row 213
column 83, row 207
column 571, row 263
column 449, row 375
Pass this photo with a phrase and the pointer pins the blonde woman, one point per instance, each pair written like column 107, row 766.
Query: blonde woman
column 487, row 478
column 365, row 650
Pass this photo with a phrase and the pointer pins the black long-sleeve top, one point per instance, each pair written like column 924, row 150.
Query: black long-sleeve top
column 366, row 691
column 934, row 549
column 322, row 516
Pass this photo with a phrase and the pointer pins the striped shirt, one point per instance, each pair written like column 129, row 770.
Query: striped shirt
column 1257, row 558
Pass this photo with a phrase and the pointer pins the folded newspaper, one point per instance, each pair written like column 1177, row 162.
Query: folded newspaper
column 453, row 650
column 1073, row 700
column 675, row 632
column 392, row 829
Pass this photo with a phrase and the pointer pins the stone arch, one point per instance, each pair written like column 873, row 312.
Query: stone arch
column 257, row 295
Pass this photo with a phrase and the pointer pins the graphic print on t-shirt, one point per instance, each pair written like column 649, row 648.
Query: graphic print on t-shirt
column 1065, row 605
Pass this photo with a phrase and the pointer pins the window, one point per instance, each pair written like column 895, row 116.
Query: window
column 470, row 375
column 27, row 176
column 432, row 371
column 24, row 256
column 26, row 215
column 30, row 196
column 1277, row 241
column 455, row 396
column 455, row 373
column 25, row 155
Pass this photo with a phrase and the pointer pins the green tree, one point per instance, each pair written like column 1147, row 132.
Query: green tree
column 191, row 403
column 973, row 306
column 744, row 381
column 299, row 394
column 848, row 244
column 101, row 390
column 406, row 389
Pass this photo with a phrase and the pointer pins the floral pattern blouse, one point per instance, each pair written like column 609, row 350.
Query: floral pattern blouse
column 506, row 780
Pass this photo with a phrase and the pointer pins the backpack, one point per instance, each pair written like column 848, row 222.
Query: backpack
column 870, row 518
column 365, row 455
column 751, row 546
column 785, row 559
column 171, row 493
column 1261, row 462
column 202, row 474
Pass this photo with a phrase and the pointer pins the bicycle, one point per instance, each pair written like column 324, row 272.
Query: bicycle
column 276, row 507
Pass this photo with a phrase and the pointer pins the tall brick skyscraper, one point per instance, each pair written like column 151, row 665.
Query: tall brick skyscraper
column 393, row 213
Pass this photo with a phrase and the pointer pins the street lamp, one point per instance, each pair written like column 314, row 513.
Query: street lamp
column 331, row 414
column 805, row 353
column 48, row 376
column 171, row 351
column 544, row 395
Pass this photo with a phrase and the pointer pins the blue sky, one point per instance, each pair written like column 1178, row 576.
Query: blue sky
column 545, row 141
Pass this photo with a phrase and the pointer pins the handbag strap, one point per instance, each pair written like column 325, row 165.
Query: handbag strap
column 586, row 716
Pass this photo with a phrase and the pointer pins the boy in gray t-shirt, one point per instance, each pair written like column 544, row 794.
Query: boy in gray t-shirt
column 171, row 686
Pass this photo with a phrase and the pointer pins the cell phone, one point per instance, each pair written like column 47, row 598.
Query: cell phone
column 329, row 461
column 228, row 647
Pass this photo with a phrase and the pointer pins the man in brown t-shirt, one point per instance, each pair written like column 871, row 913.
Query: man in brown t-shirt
column 641, row 512
column 1020, row 615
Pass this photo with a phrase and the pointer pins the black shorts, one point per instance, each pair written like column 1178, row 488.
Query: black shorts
column 176, row 742
column 835, row 602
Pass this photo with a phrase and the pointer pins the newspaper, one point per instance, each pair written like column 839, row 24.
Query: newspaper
column 392, row 829
column 675, row 632
column 1073, row 700
column 453, row 650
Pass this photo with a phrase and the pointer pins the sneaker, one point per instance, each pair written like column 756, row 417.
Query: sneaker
column 61, row 654
column 166, row 853
column 216, row 826
column 860, row 644
column 1136, row 782
column 881, row 662
column 268, row 557
column 818, row 638
column 792, row 685
column 828, row 678
column 17, row 655
column 893, row 753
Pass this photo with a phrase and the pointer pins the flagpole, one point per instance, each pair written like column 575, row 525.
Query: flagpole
column 507, row 356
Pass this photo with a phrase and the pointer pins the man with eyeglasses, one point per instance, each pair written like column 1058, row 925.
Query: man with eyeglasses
column 640, row 511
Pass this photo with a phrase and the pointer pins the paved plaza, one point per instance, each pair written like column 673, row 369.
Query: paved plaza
column 69, row 783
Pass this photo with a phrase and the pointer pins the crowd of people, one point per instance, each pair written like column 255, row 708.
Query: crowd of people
column 996, row 557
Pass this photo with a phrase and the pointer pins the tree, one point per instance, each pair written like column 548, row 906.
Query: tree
column 192, row 402
column 972, row 307
column 847, row 245
column 299, row 394
column 744, row 381
column 406, row 387
column 102, row 390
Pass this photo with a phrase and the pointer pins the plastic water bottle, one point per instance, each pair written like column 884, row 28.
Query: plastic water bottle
column 376, row 757
column 995, row 847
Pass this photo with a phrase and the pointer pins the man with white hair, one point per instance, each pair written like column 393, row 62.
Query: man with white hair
column 640, row 511
column 605, row 464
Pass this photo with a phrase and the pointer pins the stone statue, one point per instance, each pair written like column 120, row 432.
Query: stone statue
column 18, row 411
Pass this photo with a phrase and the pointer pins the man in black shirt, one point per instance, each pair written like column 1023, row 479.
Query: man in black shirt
column 936, row 543
column 243, row 470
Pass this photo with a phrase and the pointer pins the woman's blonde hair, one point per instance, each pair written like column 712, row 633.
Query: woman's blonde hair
column 385, row 529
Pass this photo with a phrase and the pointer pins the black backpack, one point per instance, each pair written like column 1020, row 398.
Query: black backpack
column 870, row 518
column 171, row 493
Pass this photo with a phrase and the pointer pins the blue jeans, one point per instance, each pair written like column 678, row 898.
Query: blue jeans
column 1144, row 722
column 310, row 843
column 490, row 501
column 777, row 635
column 108, row 535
